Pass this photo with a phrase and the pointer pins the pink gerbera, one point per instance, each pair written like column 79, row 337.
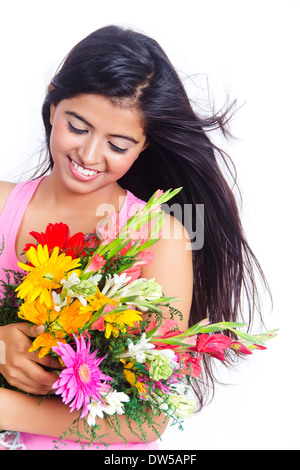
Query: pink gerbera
column 82, row 379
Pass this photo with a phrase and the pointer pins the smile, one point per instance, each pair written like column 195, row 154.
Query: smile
column 82, row 170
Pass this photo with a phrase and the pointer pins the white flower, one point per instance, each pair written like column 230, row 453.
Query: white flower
column 95, row 278
column 137, row 351
column 162, row 354
column 58, row 303
column 114, row 283
column 110, row 404
column 180, row 406
column 179, row 388
column 115, row 402
column 78, row 288
column 95, row 409
column 72, row 280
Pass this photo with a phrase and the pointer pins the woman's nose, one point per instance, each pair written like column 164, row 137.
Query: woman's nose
column 91, row 152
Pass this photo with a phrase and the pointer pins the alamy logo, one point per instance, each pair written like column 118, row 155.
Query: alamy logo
column 190, row 216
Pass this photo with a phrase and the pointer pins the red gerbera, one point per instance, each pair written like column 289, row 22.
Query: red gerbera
column 59, row 235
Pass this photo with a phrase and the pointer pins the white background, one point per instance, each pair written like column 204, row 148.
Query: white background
column 250, row 51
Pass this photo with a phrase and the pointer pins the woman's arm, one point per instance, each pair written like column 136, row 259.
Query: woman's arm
column 50, row 417
column 5, row 189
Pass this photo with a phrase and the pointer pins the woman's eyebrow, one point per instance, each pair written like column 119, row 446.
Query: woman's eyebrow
column 77, row 116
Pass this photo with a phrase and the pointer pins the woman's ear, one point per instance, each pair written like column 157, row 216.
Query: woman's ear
column 145, row 145
column 52, row 112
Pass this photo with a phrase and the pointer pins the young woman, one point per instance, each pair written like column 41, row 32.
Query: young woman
column 119, row 126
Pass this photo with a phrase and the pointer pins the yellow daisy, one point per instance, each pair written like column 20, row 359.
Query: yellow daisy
column 117, row 322
column 44, row 274
column 95, row 302
column 114, row 322
column 132, row 378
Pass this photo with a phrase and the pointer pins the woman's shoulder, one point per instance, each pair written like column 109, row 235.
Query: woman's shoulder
column 5, row 190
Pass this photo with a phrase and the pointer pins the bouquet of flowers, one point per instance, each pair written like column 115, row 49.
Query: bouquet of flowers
column 118, row 351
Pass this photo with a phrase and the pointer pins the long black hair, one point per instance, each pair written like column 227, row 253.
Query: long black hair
column 131, row 69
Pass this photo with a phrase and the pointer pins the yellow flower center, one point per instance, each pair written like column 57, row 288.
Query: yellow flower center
column 48, row 276
column 84, row 373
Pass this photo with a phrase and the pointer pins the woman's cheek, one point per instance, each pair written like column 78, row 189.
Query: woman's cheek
column 60, row 138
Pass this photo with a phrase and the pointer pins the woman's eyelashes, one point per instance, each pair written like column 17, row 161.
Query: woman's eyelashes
column 75, row 130
column 115, row 148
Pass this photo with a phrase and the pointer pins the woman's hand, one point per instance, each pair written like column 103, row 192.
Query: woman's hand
column 22, row 369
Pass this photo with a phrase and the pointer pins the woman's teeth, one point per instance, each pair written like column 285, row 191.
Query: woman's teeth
column 82, row 170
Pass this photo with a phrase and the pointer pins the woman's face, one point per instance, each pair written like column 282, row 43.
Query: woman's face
column 93, row 143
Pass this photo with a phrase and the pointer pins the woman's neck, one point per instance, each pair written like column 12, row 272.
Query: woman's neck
column 66, row 200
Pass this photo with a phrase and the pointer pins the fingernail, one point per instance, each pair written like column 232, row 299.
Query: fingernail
column 40, row 329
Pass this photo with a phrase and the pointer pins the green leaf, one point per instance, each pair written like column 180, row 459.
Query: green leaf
column 150, row 333
column 246, row 336
column 134, row 249
column 129, row 298
column 96, row 315
column 164, row 300
column 112, row 252
column 221, row 326
column 172, row 341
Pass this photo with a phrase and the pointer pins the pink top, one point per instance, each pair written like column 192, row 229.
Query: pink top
column 14, row 210
column 10, row 220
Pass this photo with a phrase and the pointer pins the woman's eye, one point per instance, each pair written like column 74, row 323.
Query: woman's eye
column 75, row 130
column 117, row 149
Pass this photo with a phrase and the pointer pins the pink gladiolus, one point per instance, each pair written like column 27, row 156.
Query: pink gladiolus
column 81, row 379
column 144, row 258
column 258, row 346
column 237, row 346
column 167, row 330
column 189, row 365
column 213, row 345
column 159, row 193
column 99, row 324
column 166, row 327
column 96, row 264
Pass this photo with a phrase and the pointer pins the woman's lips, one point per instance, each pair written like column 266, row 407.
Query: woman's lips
column 82, row 173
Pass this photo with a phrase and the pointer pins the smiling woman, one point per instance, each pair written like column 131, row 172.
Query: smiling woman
column 119, row 125
column 93, row 141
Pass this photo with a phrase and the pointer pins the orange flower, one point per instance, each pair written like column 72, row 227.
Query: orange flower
column 45, row 342
column 58, row 325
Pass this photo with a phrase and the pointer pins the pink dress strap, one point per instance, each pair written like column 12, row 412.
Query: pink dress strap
column 130, row 206
column 11, row 218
